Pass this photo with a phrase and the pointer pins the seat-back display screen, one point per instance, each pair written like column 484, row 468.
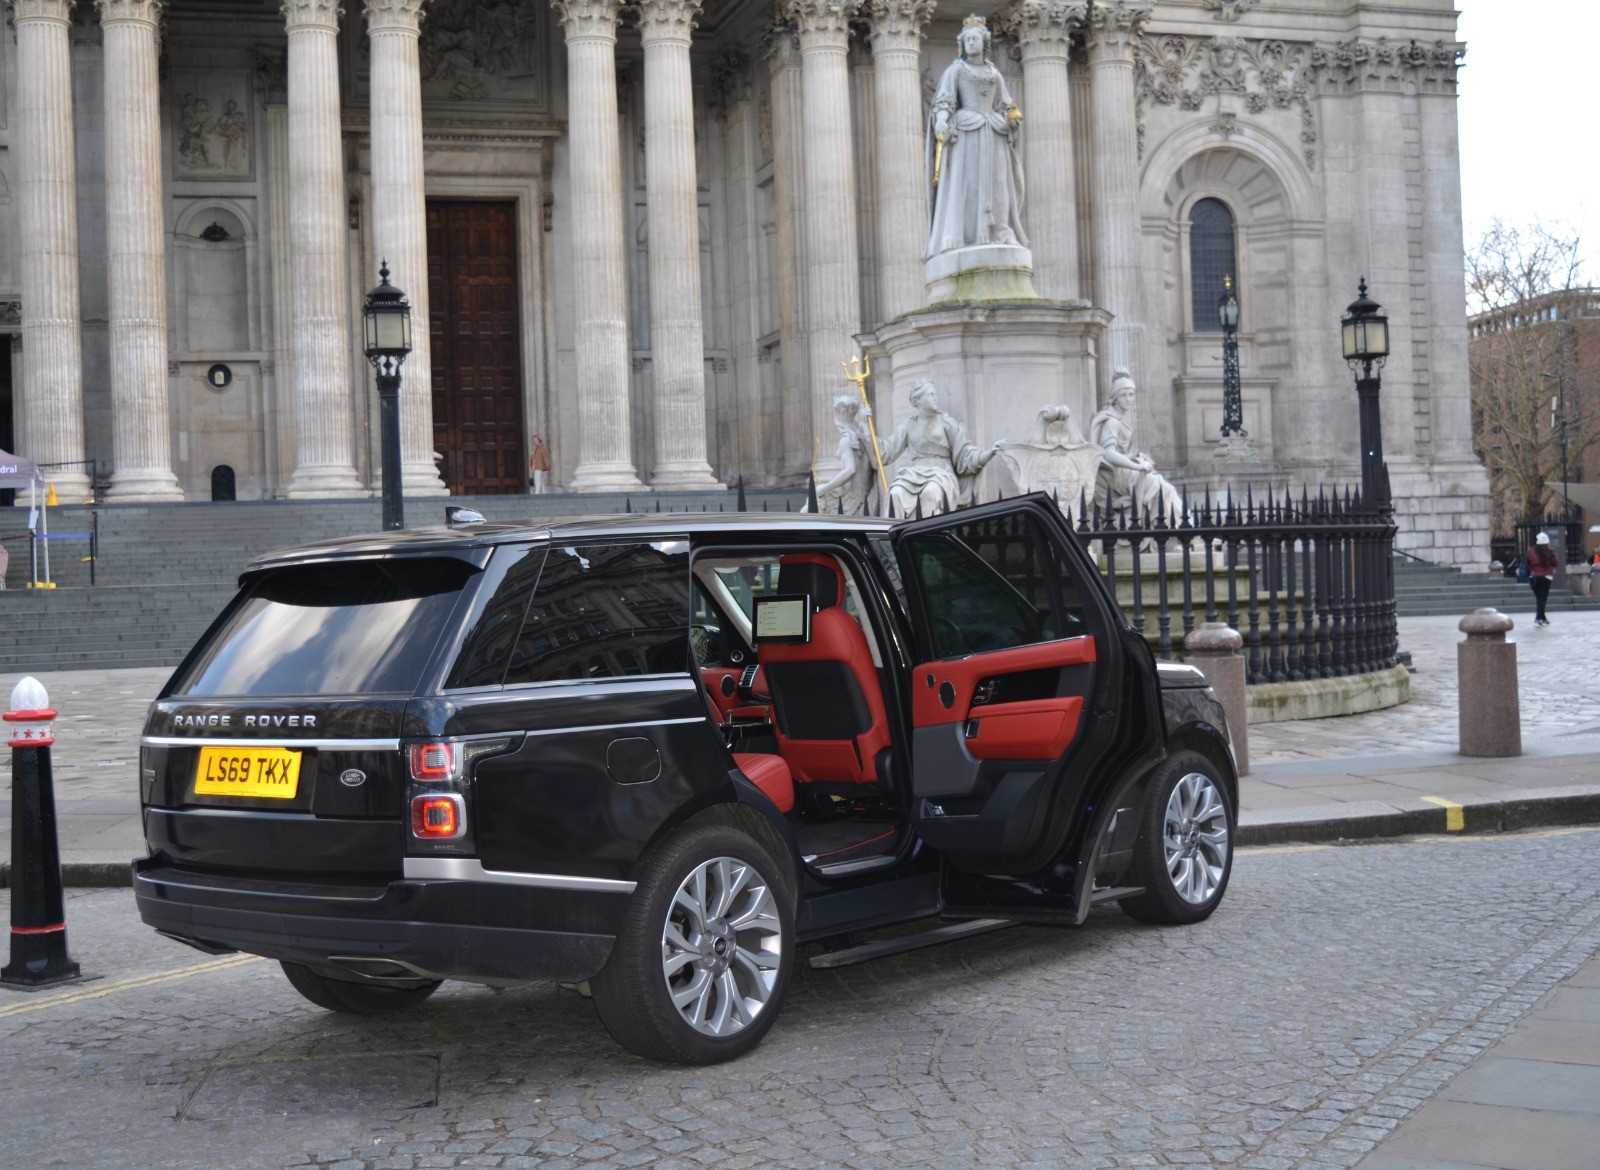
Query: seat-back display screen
column 783, row 619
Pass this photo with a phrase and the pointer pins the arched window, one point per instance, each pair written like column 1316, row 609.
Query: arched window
column 222, row 485
column 1211, row 258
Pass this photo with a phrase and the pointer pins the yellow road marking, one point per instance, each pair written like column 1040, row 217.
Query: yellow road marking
column 1454, row 819
column 1520, row 834
column 116, row 985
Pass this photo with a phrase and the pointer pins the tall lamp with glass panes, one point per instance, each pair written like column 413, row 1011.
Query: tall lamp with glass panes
column 386, row 331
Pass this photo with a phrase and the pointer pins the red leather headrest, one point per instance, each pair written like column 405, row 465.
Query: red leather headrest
column 814, row 574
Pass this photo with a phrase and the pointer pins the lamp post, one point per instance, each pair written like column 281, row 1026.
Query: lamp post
column 1365, row 336
column 1232, row 398
column 1559, row 417
column 386, row 331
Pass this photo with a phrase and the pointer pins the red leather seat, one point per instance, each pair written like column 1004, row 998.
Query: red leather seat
column 828, row 708
column 770, row 774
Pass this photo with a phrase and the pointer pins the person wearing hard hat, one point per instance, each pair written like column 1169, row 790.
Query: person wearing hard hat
column 1541, row 559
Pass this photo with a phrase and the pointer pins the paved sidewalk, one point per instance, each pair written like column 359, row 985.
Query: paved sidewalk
column 1382, row 774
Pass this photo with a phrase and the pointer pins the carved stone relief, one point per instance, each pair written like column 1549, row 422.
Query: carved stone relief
column 1229, row 9
column 1387, row 65
column 211, row 126
column 1185, row 72
column 476, row 49
column 764, row 121
column 10, row 312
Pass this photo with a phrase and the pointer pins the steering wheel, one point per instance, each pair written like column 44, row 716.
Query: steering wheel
column 951, row 641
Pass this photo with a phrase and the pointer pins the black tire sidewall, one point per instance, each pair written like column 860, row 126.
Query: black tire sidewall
column 631, row 993
column 1161, row 902
column 351, row 998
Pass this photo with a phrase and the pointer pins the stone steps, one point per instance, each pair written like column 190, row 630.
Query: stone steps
column 1424, row 590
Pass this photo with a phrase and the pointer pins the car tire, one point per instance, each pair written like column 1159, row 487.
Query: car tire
column 354, row 999
column 1184, row 854
column 701, row 965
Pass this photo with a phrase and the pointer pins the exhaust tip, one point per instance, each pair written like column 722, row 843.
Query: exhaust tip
column 369, row 967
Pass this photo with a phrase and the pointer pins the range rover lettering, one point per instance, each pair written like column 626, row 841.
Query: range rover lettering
column 653, row 756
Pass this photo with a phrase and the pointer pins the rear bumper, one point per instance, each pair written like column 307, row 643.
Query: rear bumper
column 438, row 929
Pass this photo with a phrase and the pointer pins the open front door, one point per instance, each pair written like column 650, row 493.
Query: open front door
column 1020, row 654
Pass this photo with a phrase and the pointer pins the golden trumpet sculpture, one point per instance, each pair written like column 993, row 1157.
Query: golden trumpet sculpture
column 858, row 370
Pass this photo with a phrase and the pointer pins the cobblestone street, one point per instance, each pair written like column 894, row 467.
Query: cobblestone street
column 1335, row 991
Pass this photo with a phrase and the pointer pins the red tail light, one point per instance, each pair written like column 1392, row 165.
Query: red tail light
column 433, row 761
column 438, row 817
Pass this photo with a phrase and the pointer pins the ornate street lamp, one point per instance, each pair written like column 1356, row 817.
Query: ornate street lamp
column 1365, row 336
column 1558, row 415
column 1232, row 398
column 386, row 331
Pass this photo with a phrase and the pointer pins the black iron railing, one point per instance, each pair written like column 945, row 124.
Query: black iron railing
column 1309, row 583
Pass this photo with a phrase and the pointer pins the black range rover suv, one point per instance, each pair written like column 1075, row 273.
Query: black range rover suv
column 652, row 755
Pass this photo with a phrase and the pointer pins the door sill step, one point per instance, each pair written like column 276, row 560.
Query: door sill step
column 882, row 948
column 1114, row 894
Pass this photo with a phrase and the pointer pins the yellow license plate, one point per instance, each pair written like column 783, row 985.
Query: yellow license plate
column 273, row 773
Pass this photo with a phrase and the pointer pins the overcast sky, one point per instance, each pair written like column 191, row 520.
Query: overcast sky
column 1527, row 106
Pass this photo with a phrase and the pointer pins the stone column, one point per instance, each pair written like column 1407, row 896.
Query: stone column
column 317, row 245
column 136, row 268
column 1112, row 28
column 400, row 220
column 788, row 169
column 902, row 186
column 272, row 80
column 672, row 192
column 1043, row 29
column 833, row 290
column 599, row 263
column 51, row 428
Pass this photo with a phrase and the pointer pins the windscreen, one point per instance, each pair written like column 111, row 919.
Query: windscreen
column 343, row 628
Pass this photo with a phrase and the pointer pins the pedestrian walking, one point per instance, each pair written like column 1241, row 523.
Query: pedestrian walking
column 539, row 465
column 1541, row 562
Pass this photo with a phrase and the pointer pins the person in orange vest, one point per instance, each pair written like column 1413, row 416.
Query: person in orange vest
column 539, row 464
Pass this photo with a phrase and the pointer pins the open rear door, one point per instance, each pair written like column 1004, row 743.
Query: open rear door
column 1018, row 654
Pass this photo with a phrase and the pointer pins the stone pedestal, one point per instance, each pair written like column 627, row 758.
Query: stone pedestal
column 985, row 272
column 995, row 365
column 1490, row 719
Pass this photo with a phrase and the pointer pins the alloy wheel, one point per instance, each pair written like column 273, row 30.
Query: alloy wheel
column 722, row 946
column 1195, row 838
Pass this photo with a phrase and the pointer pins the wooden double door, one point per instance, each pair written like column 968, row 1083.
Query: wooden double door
column 476, row 327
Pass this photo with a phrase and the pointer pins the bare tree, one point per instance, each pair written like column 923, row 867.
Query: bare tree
column 1526, row 299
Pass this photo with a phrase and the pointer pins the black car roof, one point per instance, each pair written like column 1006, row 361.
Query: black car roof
column 651, row 524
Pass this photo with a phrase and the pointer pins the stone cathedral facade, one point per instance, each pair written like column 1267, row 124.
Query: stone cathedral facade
column 650, row 234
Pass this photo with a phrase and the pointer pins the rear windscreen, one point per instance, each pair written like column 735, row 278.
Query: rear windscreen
column 352, row 627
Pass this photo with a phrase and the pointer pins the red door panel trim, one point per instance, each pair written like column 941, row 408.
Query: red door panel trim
column 1040, row 729
column 928, row 681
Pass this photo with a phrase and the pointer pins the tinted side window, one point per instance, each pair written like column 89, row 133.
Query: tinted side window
column 606, row 610
column 488, row 645
column 993, row 584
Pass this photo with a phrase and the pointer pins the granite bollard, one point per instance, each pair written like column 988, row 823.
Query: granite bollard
column 1214, row 648
column 1486, row 667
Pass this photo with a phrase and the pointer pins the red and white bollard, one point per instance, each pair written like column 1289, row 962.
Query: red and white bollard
column 38, row 918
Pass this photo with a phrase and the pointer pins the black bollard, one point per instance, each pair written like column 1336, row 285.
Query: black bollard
column 38, row 916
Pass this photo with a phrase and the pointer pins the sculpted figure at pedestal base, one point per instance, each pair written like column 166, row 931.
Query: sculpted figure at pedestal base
column 847, row 491
column 1131, row 477
column 1058, row 461
column 976, row 182
column 941, row 457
